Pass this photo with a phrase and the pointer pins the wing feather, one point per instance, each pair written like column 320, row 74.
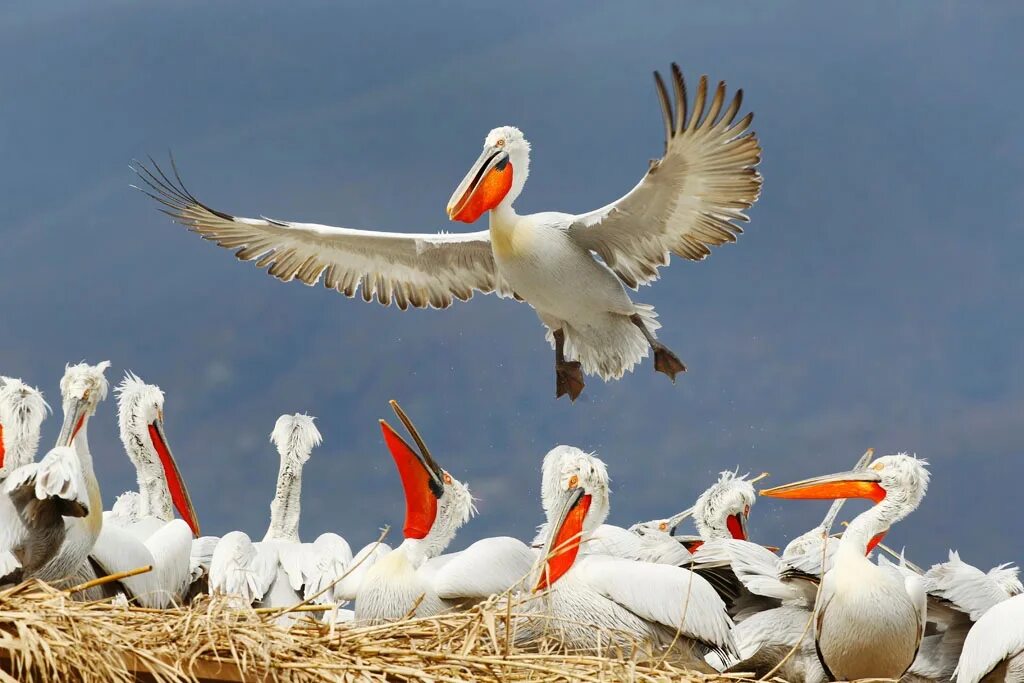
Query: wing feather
column 692, row 198
column 416, row 270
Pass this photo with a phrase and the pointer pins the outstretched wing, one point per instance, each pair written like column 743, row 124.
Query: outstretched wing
column 690, row 199
column 410, row 269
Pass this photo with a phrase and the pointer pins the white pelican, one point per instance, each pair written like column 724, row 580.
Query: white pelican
column 415, row 578
column 59, row 495
column 868, row 622
column 271, row 572
column 691, row 199
column 22, row 411
column 994, row 649
column 592, row 601
column 141, row 529
column 958, row 595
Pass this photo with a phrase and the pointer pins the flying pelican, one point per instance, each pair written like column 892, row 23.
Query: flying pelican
column 59, row 495
column 141, row 529
column 415, row 578
column 994, row 649
column 22, row 411
column 868, row 622
column 270, row 572
column 590, row 601
column 691, row 199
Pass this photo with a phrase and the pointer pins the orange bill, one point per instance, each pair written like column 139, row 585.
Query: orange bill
column 175, row 484
column 3, row 452
column 422, row 489
column 855, row 484
column 483, row 188
column 565, row 545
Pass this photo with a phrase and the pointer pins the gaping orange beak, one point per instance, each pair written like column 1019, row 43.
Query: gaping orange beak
column 483, row 188
column 422, row 478
column 563, row 543
column 175, row 484
column 854, row 484
column 737, row 525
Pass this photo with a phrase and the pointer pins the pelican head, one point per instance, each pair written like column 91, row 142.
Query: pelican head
column 22, row 411
column 661, row 527
column 436, row 503
column 722, row 510
column 140, row 412
column 82, row 388
column 295, row 437
column 575, row 495
column 495, row 179
column 896, row 483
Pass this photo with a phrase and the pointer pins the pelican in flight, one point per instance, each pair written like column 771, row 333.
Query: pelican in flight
column 22, row 411
column 141, row 529
column 415, row 578
column 59, row 496
column 869, row 621
column 571, row 268
column 591, row 601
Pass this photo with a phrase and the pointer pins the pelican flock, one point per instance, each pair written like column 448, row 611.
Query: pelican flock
column 835, row 604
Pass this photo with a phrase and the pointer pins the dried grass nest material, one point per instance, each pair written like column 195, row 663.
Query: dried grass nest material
column 47, row 636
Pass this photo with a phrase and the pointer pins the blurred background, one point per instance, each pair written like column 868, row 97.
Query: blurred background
column 875, row 299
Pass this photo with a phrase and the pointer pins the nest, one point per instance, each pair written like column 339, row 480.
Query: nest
column 46, row 635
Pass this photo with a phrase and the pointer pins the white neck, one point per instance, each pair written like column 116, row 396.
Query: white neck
column 870, row 523
column 154, row 496
column 285, row 508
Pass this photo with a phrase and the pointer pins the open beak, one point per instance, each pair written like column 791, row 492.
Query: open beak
column 175, row 484
column 564, row 536
column 422, row 478
column 853, row 484
column 74, row 419
column 483, row 188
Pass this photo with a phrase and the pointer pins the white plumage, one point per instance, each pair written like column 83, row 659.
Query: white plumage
column 994, row 649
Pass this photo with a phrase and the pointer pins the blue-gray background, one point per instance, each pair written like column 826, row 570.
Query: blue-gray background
column 874, row 301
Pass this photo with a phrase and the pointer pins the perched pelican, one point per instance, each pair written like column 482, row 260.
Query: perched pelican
column 22, row 411
column 592, row 601
column 994, row 649
column 869, row 622
column 141, row 529
column 958, row 595
column 271, row 572
column 415, row 578
column 59, row 495
column 690, row 200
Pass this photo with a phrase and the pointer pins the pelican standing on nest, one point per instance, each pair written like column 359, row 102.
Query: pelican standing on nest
column 22, row 411
column 691, row 199
column 270, row 572
column 59, row 495
column 414, row 578
column 869, row 621
column 591, row 602
column 141, row 529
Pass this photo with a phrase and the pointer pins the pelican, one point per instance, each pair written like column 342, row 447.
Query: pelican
column 959, row 594
column 59, row 496
column 271, row 572
column 22, row 411
column 414, row 578
column 140, row 530
column 868, row 621
column 994, row 649
column 690, row 199
column 589, row 601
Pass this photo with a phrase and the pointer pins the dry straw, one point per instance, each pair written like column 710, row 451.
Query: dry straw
column 45, row 635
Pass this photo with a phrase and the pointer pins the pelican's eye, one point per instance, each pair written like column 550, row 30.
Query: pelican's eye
column 663, row 526
column 573, row 481
column 878, row 466
column 85, row 394
column 447, row 478
column 500, row 142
